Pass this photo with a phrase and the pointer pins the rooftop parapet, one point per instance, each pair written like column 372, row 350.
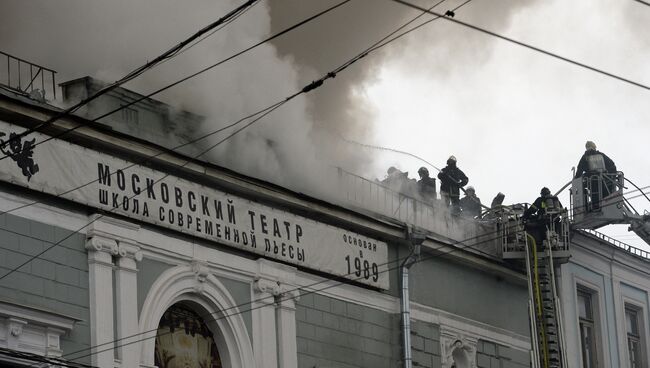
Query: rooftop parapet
column 378, row 200
column 147, row 119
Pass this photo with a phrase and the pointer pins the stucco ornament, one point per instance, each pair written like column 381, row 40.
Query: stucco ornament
column 201, row 272
column 458, row 350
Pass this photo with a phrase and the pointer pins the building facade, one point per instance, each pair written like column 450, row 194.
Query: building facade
column 605, row 295
column 118, row 252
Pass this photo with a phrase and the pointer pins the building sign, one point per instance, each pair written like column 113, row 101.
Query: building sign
column 122, row 187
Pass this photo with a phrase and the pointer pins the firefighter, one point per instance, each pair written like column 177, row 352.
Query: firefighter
column 543, row 214
column 592, row 165
column 451, row 180
column 426, row 185
column 470, row 204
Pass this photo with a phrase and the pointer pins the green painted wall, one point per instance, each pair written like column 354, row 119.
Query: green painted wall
column 492, row 355
column 465, row 291
column 56, row 281
column 333, row 333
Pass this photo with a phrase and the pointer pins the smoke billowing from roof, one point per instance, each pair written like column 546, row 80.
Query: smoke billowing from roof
column 299, row 141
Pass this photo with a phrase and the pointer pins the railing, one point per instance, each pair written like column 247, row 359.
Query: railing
column 619, row 244
column 376, row 197
column 408, row 207
column 26, row 77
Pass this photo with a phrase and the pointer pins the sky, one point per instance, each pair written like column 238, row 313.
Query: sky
column 515, row 119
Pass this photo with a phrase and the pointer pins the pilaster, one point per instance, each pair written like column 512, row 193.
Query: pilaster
column 100, row 273
column 264, row 324
column 126, row 294
column 286, row 320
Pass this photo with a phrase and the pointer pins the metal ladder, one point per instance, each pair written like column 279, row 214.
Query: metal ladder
column 545, row 315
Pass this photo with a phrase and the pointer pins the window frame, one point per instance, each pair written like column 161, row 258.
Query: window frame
column 640, row 338
column 594, row 323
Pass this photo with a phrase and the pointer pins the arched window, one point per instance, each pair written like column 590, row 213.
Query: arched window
column 184, row 340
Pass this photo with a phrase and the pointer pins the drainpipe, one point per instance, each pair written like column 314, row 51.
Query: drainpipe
column 416, row 239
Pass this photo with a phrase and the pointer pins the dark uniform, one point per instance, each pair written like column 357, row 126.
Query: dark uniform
column 451, row 180
column 426, row 185
column 539, row 216
column 592, row 164
column 470, row 204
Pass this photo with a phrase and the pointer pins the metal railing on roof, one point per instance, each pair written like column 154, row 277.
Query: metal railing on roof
column 619, row 244
column 379, row 198
column 406, row 206
column 26, row 77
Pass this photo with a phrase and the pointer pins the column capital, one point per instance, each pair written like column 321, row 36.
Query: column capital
column 288, row 296
column 104, row 244
column 129, row 254
column 268, row 286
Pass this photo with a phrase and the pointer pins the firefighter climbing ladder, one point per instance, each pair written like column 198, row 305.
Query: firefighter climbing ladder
column 548, row 348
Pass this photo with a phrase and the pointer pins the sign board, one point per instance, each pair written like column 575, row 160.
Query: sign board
column 103, row 181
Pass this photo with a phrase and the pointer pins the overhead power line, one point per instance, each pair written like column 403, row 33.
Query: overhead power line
column 643, row 2
column 306, row 290
column 133, row 74
column 197, row 73
column 264, row 112
column 525, row 45
column 255, row 116
column 308, row 88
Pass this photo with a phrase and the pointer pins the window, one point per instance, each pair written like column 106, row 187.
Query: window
column 184, row 340
column 634, row 343
column 588, row 329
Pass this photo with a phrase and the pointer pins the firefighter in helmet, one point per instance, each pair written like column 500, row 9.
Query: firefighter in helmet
column 543, row 214
column 451, row 180
column 470, row 204
column 593, row 164
column 426, row 185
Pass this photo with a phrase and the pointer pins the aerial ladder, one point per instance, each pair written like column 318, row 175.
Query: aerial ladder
column 598, row 200
column 540, row 260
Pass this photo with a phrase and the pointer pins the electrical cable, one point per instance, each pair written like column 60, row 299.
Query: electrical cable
column 305, row 90
column 525, row 45
column 41, row 359
column 643, row 2
column 298, row 289
column 313, row 85
column 130, row 76
column 397, row 261
column 454, row 243
column 190, row 76
column 214, row 31
column 423, row 24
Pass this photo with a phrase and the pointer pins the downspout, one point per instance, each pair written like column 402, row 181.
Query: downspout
column 416, row 240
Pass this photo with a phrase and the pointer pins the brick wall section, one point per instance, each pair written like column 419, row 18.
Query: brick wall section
column 425, row 344
column 334, row 333
column 57, row 281
column 492, row 355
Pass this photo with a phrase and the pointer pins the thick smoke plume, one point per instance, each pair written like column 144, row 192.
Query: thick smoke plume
column 297, row 145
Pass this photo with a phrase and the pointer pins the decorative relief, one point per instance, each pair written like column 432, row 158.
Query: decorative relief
column 16, row 327
column 458, row 349
column 201, row 273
